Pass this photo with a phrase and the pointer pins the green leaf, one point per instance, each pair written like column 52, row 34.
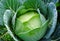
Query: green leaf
column 6, row 37
column 8, row 4
column 7, row 17
column 13, row 20
column 2, row 9
column 48, row 1
column 22, row 10
column 11, row 4
column 58, row 4
column 56, row 34
column 2, row 30
column 36, row 4
column 53, row 19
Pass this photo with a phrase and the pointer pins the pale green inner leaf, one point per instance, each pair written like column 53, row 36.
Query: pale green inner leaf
column 26, row 17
